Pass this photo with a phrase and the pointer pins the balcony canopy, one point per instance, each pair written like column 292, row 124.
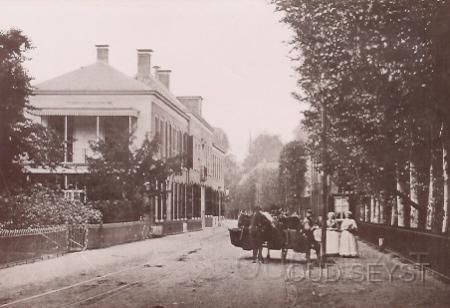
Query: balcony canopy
column 83, row 111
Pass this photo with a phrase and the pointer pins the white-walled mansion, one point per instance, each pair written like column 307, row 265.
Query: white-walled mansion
column 84, row 104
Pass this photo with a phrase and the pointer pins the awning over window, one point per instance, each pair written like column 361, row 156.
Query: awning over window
column 67, row 169
column 111, row 112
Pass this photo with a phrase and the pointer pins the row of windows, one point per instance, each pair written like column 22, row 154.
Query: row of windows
column 175, row 142
column 213, row 163
column 217, row 167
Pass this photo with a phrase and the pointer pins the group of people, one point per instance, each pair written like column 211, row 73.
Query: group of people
column 340, row 238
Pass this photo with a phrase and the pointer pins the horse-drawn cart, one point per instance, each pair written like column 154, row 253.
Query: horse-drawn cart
column 277, row 236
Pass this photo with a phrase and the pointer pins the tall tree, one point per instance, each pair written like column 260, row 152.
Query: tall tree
column 291, row 176
column 118, row 171
column 265, row 147
column 22, row 141
column 260, row 187
column 370, row 64
column 14, row 91
column 232, row 176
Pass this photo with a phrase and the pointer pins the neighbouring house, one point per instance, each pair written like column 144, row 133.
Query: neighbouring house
column 83, row 105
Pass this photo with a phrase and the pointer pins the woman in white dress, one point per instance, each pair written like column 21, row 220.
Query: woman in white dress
column 332, row 235
column 348, row 247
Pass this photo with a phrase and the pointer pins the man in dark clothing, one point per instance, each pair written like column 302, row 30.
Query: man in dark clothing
column 256, row 235
column 308, row 228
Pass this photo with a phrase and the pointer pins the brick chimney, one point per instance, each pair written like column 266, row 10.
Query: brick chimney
column 193, row 103
column 102, row 53
column 144, row 57
column 155, row 71
column 164, row 77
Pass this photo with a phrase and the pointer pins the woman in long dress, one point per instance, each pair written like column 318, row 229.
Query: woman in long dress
column 332, row 235
column 348, row 247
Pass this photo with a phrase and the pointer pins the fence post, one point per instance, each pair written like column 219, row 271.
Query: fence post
column 67, row 234
column 86, row 237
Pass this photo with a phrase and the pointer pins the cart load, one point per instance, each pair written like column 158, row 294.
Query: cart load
column 283, row 233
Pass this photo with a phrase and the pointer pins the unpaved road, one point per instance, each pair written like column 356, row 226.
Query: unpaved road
column 202, row 269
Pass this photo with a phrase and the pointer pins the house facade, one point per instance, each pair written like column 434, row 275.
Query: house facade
column 94, row 101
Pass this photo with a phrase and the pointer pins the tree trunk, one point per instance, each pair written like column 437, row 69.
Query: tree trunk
column 372, row 208
column 381, row 211
column 435, row 205
column 377, row 211
column 394, row 214
column 423, row 198
column 414, row 194
column 419, row 185
column 431, row 200
column 402, row 208
column 446, row 171
column 384, row 211
column 367, row 210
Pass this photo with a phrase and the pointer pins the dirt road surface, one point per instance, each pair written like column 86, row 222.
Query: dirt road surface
column 202, row 269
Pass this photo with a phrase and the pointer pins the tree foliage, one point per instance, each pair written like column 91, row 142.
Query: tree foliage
column 265, row 147
column 22, row 141
column 291, row 174
column 256, row 178
column 372, row 66
column 120, row 171
column 232, row 176
column 260, row 187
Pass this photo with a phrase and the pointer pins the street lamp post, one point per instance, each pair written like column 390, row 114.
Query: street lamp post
column 324, row 188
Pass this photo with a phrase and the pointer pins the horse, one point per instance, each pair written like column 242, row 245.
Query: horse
column 290, row 222
column 262, row 229
column 296, row 236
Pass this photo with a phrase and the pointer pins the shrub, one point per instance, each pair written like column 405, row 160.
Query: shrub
column 40, row 206
column 117, row 210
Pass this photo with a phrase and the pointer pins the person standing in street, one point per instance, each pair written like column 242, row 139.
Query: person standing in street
column 256, row 236
column 348, row 245
column 332, row 235
column 308, row 228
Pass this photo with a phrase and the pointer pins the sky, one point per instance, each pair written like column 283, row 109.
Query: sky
column 231, row 52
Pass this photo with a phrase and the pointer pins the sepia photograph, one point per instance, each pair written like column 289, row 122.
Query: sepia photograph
column 224, row 153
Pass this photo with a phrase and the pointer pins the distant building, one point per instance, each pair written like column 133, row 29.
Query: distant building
column 84, row 104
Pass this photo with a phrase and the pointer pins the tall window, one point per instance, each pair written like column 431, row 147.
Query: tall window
column 161, row 138
column 180, row 150
column 173, row 141
column 166, row 140
column 156, row 131
column 170, row 141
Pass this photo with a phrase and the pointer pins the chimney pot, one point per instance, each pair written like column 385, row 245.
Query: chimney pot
column 102, row 53
column 164, row 77
column 143, row 63
column 155, row 70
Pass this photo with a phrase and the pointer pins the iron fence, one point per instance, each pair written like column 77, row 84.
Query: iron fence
column 19, row 246
column 430, row 249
